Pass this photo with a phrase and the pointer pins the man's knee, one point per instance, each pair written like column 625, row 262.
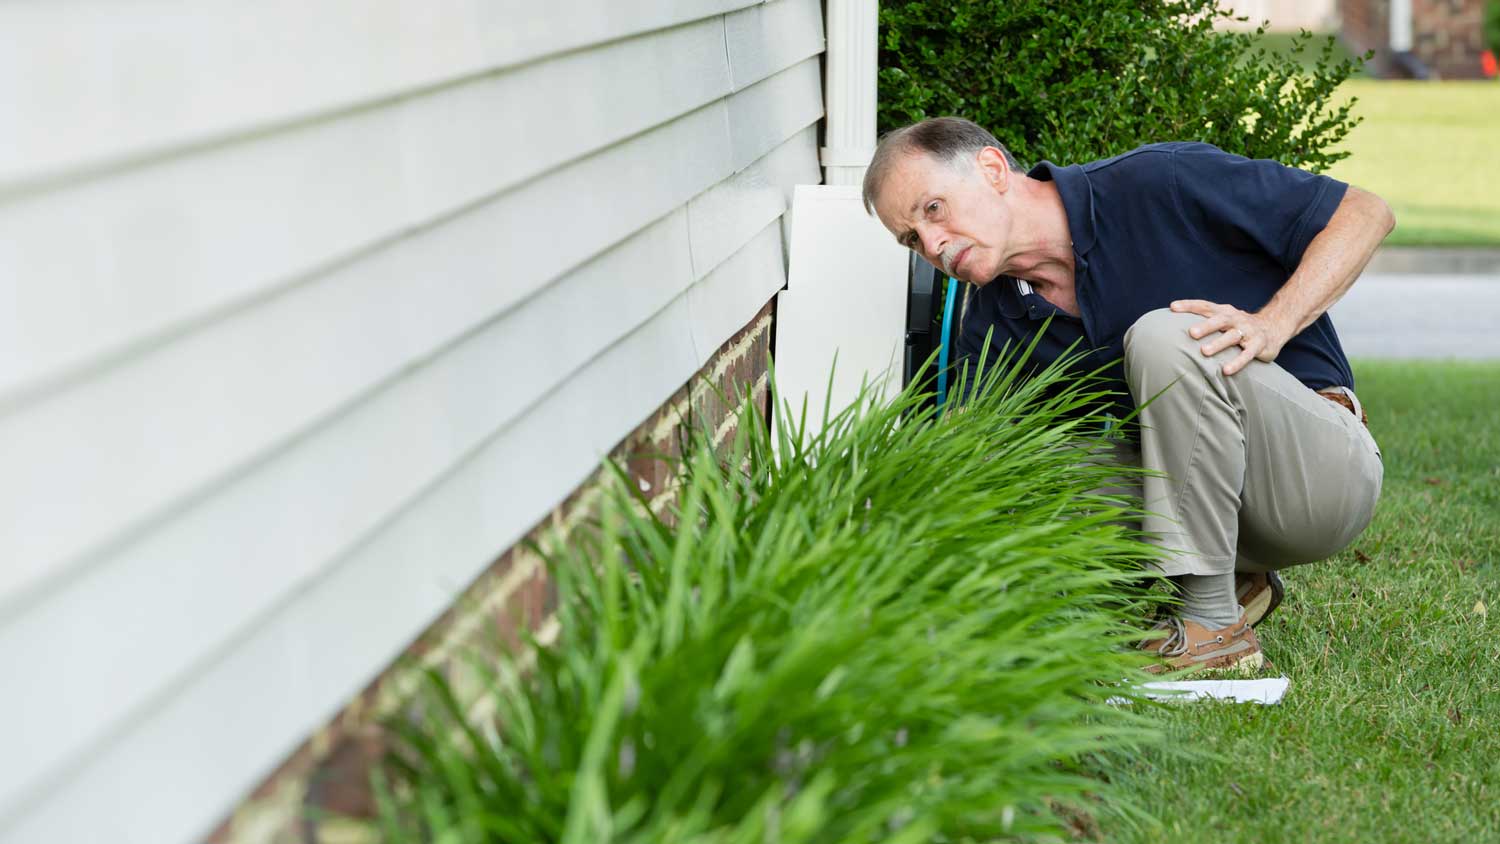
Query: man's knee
column 1161, row 336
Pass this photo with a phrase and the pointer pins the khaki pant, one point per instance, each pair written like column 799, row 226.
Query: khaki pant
column 1260, row 472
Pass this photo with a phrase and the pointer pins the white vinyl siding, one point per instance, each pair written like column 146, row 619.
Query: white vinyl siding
column 310, row 311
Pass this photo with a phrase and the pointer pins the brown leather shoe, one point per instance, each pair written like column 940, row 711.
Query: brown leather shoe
column 1259, row 594
column 1183, row 643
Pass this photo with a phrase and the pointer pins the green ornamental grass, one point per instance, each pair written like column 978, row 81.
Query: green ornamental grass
column 902, row 629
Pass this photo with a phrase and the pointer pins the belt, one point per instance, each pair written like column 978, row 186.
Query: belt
column 1344, row 397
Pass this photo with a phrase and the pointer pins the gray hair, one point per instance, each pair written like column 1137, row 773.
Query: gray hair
column 951, row 140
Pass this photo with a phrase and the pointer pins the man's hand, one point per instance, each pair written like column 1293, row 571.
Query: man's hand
column 1333, row 260
column 1259, row 335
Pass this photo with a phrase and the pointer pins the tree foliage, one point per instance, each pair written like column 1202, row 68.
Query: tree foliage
column 1076, row 80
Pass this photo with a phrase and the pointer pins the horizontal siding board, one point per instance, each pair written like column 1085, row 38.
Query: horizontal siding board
column 718, row 305
column 770, row 111
column 764, row 39
column 234, row 720
column 723, row 218
column 190, row 586
column 89, row 84
column 87, row 464
column 472, row 140
column 230, row 558
column 570, row 316
column 139, row 438
column 93, row 268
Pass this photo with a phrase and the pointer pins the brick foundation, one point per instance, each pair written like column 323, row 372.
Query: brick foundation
column 308, row 799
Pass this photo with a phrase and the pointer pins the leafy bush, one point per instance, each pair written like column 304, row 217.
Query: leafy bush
column 1076, row 80
column 902, row 630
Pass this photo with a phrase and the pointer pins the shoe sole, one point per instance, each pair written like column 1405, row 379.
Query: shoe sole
column 1243, row 666
column 1266, row 602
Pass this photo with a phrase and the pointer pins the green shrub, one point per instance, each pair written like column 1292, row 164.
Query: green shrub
column 1076, row 80
column 903, row 630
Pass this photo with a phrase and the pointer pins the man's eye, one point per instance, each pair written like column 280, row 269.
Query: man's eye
column 932, row 207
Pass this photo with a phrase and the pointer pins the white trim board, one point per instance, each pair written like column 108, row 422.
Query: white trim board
column 845, row 301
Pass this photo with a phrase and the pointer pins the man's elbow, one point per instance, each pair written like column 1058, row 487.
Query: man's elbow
column 1378, row 212
column 1385, row 217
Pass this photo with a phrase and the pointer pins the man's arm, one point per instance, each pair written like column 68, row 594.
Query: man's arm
column 1329, row 266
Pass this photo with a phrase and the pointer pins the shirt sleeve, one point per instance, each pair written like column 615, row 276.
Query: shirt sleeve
column 1253, row 204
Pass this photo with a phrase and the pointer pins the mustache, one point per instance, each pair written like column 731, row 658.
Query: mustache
column 948, row 255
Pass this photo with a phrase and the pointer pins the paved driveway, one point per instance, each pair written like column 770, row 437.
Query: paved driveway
column 1420, row 316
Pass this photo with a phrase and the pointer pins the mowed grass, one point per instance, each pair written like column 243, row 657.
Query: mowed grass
column 1391, row 729
column 1430, row 149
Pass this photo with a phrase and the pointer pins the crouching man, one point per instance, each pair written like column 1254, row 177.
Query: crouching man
column 1206, row 276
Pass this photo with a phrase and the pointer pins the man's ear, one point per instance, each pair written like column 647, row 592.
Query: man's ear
column 994, row 169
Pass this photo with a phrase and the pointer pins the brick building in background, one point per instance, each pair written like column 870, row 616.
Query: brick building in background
column 1281, row 15
column 1441, row 39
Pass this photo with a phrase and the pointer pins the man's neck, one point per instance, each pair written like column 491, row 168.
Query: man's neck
column 1042, row 246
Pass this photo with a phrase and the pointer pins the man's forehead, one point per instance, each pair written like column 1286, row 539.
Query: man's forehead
column 910, row 177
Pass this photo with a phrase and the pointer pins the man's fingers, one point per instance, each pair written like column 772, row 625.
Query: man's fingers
column 1221, row 342
column 1243, row 359
column 1194, row 306
column 1208, row 326
column 1240, row 362
column 1223, row 319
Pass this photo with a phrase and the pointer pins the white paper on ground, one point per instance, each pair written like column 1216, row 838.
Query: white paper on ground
column 1266, row 691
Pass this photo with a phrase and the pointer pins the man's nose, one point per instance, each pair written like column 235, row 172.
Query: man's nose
column 932, row 244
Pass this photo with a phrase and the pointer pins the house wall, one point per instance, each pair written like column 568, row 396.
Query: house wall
column 314, row 310
column 1366, row 25
column 1447, row 35
column 1281, row 15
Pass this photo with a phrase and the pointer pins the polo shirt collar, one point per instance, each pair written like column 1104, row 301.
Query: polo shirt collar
column 1077, row 199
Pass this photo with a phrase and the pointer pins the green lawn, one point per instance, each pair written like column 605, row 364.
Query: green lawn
column 1391, row 729
column 1430, row 149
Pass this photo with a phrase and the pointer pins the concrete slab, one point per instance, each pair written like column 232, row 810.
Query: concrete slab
column 1440, row 260
column 1420, row 316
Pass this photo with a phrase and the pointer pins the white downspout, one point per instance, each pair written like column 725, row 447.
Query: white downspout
column 1401, row 26
column 849, row 87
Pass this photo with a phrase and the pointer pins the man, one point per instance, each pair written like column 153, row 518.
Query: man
column 1207, row 277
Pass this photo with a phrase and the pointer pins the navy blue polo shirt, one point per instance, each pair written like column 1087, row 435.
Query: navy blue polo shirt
column 1165, row 222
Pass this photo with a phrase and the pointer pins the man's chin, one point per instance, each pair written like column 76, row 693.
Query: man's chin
column 963, row 276
column 970, row 272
